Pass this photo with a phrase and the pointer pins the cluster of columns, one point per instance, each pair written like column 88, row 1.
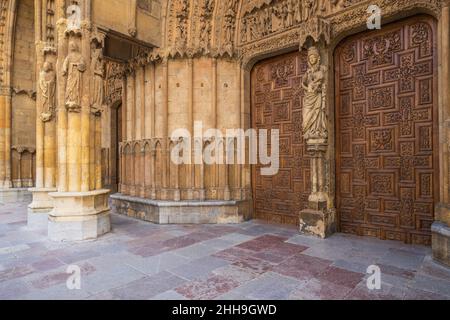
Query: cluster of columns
column 151, row 113
column 68, row 197
column 5, row 97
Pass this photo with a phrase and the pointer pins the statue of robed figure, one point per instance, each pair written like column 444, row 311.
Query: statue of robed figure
column 73, row 68
column 314, row 106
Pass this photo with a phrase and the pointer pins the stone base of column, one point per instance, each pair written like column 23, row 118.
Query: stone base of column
column 182, row 212
column 15, row 195
column 40, row 207
column 441, row 242
column 317, row 222
column 79, row 216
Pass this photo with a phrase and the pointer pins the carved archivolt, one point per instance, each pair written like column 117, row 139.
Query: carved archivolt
column 354, row 17
column 250, row 28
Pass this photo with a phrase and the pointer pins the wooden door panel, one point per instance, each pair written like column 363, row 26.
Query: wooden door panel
column 387, row 182
column 277, row 104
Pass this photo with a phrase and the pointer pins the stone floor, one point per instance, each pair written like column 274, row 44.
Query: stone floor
column 250, row 261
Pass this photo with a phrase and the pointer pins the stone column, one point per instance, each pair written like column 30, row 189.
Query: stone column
column 81, row 208
column 5, row 138
column 6, row 193
column 441, row 227
column 318, row 219
column 42, row 203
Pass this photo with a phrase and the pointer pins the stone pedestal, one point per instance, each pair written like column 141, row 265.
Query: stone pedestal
column 441, row 242
column 441, row 234
column 40, row 207
column 182, row 212
column 319, row 223
column 79, row 216
column 318, row 219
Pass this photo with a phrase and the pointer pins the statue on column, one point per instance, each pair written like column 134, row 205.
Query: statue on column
column 309, row 9
column 73, row 68
column 314, row 101
column 47, row 85
column 97, row 86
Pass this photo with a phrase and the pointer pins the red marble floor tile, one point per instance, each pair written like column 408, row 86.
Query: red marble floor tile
column 207, row 289
column 255, row 265
column 262, row 243
column 179, row 242
column 149, row 250
column 286, row 249
column 341, row 277
column 302, row 267
column 316, row 289
column 233, row 254
column 270, row 257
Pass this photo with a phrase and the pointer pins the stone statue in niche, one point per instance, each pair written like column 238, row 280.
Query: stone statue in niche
column 230, row 17
column 314, row 101
column 73, row 68
column 205, row 24
column 181, row 10
column 291, row 11
column 309, row 9
column 298, row 12
column 47, row 85
column 73, row 17
column 98, row 76
column 244, row 31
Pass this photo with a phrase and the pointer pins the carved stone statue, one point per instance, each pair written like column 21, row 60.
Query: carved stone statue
column 47, row 85
column 205, row 24
column 97, row 86
column 309, row 9
column 181, row 11
column 230, row 16
column 314, row 106
column 298, row 13
column 73, row 68
column 291, row 11
column 244, row 31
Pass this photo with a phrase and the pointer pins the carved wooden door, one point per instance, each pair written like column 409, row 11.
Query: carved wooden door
column 277, row 104
column 387, row 182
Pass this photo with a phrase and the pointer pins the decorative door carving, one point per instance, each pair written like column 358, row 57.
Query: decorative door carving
column 277, row 104
column 387, row 182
